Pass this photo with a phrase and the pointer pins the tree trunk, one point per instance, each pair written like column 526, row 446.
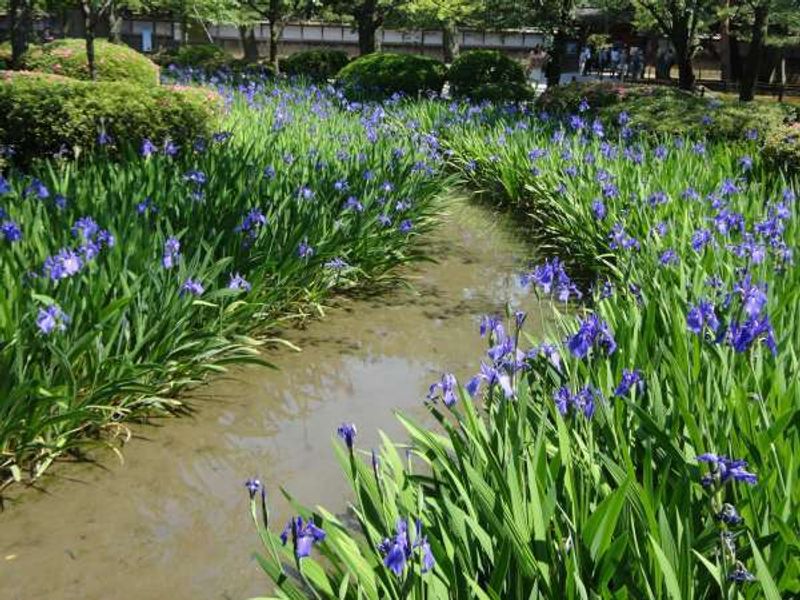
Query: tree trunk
column 275, row 30
column 554, row 62
column 114, row 24
column 247, row 34
column 725, row 46
column 450, row 45
column 683, row 55
column 88, row 35
column 20, row 12
column 367, row 26
column 747, row 89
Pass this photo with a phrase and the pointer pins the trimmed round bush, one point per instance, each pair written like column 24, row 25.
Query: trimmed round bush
column 317, row 65
column 488, row 75
column 44, row 114
column 198, row 55
column 113, row 62
column 381, row 75
column 782, row 147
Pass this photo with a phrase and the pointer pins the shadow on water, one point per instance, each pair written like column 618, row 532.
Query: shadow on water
column 172, row 520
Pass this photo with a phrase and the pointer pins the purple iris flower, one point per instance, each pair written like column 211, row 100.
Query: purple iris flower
column 304, row 250
column 657, row 199
column 592, row 332
column 103, row 139
column 252, row 221
column 170, row 148
column 406, row 226
column 337, row 264
column 196, row 177
column 584, row 105
column 740, row 574
column 661, row 152
column 398, row 550
column 147, row 148
column 690, row 194
column 551, row 277
column 619, row 239
column 631, row 380
column 746, row 163
column 384, row 220
column 724, row 469
column 668, row 257
column 583, row 401
column 37, row 188
column 754, row 297
column 610, row 190
column 85, row 227
column 237, row 282
column 63, row 265
column 599, row 209
column 51, row 318
column 172, row 252
column 5, row 187
column 700, row 316
column 192, row 287
column 269, row 172
column 347, row 431
column 701, row 238
column 352, row 203
column 623, row 118
column 751, row 134
column 11, row 231
column 253, row 487
column 728, row 515
column 446, row 389
column 742, row 335
column 304, row 535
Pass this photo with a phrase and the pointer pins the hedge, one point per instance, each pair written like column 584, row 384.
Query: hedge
column 666, row 110
column 317, row 65
column 42, row 115
column 113, row 62
column 488, row 75
column 381, row 75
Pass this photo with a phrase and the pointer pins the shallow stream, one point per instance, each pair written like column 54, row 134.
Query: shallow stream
column 173, row 522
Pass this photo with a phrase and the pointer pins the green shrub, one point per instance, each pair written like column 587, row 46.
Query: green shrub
column 665, row 110
column 42, row 114
column 5, row 55
column 782, row 147
column 317, row 65
column 196, row 55
column 488, row 75
column 113, row 62
column 380, row 75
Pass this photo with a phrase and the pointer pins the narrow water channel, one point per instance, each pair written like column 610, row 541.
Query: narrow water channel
column 172, row 521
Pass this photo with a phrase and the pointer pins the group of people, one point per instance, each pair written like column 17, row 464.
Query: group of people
column 619, row 61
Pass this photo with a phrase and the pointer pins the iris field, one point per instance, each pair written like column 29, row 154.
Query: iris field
column 646, row 448
column 126, row 280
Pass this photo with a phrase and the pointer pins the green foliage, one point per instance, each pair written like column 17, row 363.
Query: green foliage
column 662, row 110
column 5, row 55
column 488, row 75
column 114, row 62
column 381, row 75
column 193, row 55
column 782, row 147
column 317, row 65
column 44, row 114
column 197, row 63
column 519, row 499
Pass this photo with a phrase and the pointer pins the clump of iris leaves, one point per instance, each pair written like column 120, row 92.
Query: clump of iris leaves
column 645, row 449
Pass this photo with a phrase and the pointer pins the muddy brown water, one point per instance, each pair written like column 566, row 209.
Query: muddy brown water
column 172, row 521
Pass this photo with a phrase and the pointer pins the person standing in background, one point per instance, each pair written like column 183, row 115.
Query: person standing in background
column 583, row 59
column 536, row 61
